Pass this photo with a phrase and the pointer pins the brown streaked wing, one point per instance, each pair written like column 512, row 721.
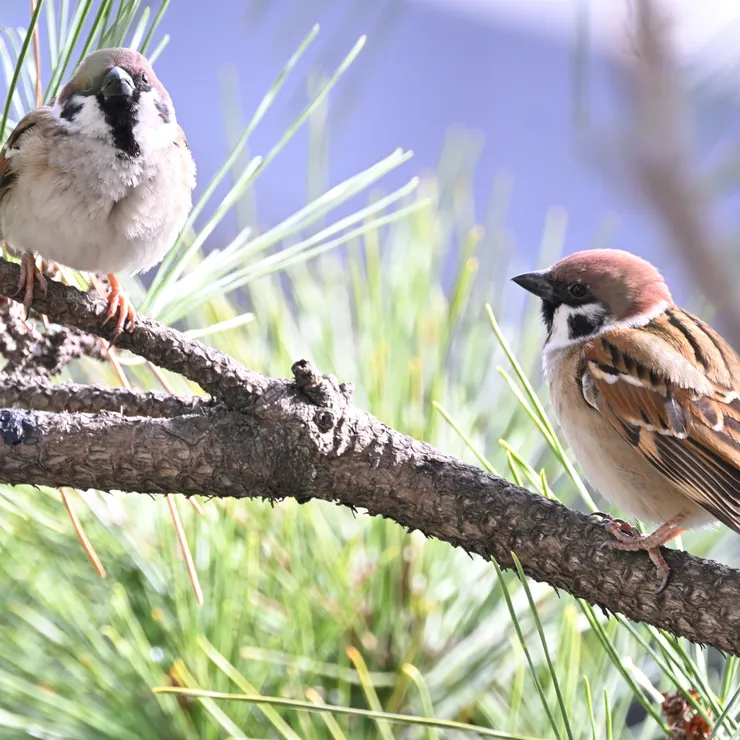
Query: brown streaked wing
column 730, row 359
column 24, row 126
column 690, row 432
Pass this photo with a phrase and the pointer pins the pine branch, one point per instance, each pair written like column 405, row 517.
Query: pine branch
column 303, row 439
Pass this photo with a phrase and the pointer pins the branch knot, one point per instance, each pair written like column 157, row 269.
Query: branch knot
column 324, row 391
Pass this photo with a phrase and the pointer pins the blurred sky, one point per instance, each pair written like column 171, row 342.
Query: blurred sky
column 697, row 23
column 502, row 69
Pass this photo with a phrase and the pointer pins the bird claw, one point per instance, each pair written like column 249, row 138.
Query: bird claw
column 643, row 543
column 30, row 275
column 629, row 538
column 664, row 580
column 618, row 527
column 120, row 308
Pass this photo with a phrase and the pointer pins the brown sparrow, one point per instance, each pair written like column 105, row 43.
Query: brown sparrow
column 100, row 180
column 645, row 393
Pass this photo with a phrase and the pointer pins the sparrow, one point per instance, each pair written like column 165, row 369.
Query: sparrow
column 99, row 180
column 645, row 393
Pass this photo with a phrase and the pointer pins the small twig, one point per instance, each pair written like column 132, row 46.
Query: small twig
column 37, row 60
column 110, row 352
column 31, row 352
column 159, row 375
column 185, row 549
column 84, row 541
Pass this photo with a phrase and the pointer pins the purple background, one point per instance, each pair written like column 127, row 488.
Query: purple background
column 424, row 70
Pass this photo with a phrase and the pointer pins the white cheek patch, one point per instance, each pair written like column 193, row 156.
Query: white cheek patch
column 560, row 334
column 88, row 120
column 150, row 131
column 562, row 324
column 560, row 337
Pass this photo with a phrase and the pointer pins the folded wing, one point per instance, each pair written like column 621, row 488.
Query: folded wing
column 669, row 389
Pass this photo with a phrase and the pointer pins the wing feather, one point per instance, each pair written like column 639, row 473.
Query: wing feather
column 7, row 173
column 671, row 390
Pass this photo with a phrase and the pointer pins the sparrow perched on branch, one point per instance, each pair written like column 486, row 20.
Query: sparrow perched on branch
column 100, row 180
column 645, row 393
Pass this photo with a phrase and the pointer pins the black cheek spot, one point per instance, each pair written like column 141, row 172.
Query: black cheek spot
column 70, row 110
column 15, row 428
column 581, row 325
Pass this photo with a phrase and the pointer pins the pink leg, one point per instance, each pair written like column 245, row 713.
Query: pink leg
column 30, row 275
column 119, row 308
column 628, row 538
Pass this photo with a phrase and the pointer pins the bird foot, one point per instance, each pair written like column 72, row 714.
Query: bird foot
column 120, row 309
column 30, row 275
column 621, row 529
column 629, row 538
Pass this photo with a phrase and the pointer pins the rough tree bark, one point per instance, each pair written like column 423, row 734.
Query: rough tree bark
column 266, row 437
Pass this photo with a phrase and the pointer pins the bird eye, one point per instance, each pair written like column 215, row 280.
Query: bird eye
column 88, row 84
column 578, row 290
column 143, row 78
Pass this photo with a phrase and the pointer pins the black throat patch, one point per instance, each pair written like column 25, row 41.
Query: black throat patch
column 547, row 311
column 122, row 115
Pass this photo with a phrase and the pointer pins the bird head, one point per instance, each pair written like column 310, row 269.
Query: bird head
column 114, row 95
column 587, row 293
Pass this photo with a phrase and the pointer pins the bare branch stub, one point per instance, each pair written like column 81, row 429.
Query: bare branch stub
column 324, row 391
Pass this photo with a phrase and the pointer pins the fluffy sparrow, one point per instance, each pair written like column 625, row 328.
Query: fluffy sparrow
column 100, row 180
column 645, row 393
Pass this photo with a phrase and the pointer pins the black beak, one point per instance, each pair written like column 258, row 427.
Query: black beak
column 117, row 84
column 538, row 283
